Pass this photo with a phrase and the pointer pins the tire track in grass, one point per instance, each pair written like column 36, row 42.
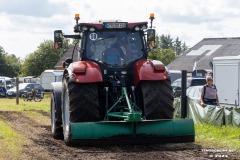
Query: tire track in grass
column 42, row 145
column 29, row 129
column 12, row 142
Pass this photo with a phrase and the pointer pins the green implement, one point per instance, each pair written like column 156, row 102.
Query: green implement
column 146, row 131
column 130, row 116
column 132, row 128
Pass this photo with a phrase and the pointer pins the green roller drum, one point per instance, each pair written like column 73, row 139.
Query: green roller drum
column 178, row 130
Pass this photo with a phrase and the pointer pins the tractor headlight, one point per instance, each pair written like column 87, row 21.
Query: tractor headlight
column 137, row 28
column 84, row 28
column 92, row 29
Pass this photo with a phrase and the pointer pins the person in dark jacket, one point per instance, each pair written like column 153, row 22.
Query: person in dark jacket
column 119, row 45
column 209, row 94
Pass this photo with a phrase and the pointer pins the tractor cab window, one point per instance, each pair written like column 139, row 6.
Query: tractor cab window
column 115, row 49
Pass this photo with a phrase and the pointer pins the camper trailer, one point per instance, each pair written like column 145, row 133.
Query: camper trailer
column 29, row 79
column 226, row 77
column 49, row 76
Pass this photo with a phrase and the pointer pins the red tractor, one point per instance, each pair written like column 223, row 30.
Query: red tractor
column 114, row 93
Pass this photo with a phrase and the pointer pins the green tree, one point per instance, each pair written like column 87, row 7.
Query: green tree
column 13, row 65
column 166, row 50
column 163, row 49
column 165, row 41
column 9, row 64
column 178, row 46
column 184, row 47
column 2, row 62
column 164, row 55
column 45, row 57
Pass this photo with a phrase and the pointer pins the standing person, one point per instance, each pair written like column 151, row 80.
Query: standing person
column 209, row 94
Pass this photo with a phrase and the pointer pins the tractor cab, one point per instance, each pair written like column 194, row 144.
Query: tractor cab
column 112, row 44
column 114, row 48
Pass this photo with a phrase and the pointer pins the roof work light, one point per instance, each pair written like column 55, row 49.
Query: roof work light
column 151, row 18
column 151, row 15
column 77, row 16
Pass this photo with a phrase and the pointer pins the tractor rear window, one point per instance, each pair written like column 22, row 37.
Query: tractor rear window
column 113, row 48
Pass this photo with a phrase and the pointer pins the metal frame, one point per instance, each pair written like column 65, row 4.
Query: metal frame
column 132, row 116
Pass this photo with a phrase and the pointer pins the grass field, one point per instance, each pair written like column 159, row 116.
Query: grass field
column 208, row 136
column 10, row 105
column 11, row 141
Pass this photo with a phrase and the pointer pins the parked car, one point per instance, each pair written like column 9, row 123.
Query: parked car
column 191, row 81
column 194, row 92
column 5, row 84
column 175, row 74
column 23, row 87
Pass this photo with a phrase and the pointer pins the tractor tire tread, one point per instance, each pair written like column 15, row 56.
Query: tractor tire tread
column 83, row 99
column 157, row 99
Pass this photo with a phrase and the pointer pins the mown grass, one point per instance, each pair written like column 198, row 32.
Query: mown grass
column 9, row 104
column 227, row 137
column 11, row 142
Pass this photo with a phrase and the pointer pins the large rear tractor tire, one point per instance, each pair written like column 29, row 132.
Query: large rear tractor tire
column 56, row 120
column 156, row 99
column 79, row 104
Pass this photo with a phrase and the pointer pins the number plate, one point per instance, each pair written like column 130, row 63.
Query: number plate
column 115, row 25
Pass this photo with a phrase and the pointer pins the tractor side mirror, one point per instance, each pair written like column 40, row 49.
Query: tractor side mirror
column 150, row 38
column 150, row 35
column 67, row 62
column 58, row 39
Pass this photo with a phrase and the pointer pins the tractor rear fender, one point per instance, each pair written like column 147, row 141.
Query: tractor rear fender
column 57, row 92
column 149, row 70
column 84, row 72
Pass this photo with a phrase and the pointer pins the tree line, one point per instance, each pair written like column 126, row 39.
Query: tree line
column 45, row 57
column 166, row 49
column 9, row 64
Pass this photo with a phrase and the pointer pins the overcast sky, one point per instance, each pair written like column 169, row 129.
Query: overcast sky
column 24, row 24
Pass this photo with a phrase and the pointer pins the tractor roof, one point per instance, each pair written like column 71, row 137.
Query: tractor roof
column 113, row 25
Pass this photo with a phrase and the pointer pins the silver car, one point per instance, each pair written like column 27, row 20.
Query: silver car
column 194, row 92
column 191, row 81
